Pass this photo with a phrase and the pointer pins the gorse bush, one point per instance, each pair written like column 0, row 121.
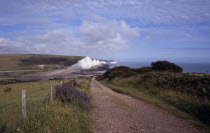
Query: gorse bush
column 123, row 71
column 120, row 71
column 195, row 85
column 166, row 66
column 67, row 92
column 142, row 70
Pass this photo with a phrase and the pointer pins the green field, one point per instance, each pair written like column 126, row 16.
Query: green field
column 17, row 62
column 42, row 115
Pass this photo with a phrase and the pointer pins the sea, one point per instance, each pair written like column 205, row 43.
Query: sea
column 187, row 67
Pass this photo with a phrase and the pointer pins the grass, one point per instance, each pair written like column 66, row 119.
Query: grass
column 43, row 116
column 171, row 101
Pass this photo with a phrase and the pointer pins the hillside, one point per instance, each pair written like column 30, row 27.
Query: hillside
column 12, row 62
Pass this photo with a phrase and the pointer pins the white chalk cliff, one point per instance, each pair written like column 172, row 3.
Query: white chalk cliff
column 87, row 63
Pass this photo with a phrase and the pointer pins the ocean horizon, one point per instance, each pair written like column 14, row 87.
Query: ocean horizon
column 187, row 67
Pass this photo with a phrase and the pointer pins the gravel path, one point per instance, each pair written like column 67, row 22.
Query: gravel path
column 118, row 113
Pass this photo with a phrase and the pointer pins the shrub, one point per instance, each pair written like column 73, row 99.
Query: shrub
column 120, row 71
column 7, row 89
column 68, row 93
column 142, row 70
column 196, row 85
column 166, row 66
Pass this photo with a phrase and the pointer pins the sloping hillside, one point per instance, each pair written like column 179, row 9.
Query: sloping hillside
column 12, row 62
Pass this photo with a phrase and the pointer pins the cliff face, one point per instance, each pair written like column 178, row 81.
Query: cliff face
column 87, row 63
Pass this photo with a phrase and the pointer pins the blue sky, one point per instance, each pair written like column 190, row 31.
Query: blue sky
column 131, row 30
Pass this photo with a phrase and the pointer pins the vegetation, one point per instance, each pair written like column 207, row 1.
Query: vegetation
column 197, row 86
column 185, row 95
column 120, row 71
column 166, row 66
column 17, row 62
column 67, row 92
column 42, row 115
column 143, row 70
column 50, row 60
column 123, row 71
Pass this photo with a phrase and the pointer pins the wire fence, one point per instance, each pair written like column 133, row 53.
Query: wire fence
column 22, row 102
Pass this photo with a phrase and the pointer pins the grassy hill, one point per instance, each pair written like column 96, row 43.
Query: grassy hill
column 13, row 62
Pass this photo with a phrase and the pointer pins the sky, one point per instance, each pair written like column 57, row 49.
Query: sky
column 123, row 30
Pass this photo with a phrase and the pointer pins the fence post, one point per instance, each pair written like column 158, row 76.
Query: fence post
column 51, row 92
column 61, row 83
column 24, row 104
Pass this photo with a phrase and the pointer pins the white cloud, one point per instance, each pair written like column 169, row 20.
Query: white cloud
column 93, row 36
column 8, row 46
column 4, row 42
column 108, row 35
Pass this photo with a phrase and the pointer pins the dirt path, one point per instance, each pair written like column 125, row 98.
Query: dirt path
column 118, row 113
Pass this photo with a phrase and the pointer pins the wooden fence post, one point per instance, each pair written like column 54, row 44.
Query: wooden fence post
column 51, row 93
column 61, row 83
column 24, row 104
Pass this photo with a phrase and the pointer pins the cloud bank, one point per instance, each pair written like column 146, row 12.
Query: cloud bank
column 94, row 35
